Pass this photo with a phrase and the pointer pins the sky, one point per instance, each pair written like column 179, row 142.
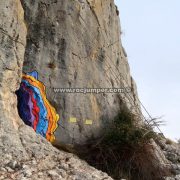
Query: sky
column 151, row 37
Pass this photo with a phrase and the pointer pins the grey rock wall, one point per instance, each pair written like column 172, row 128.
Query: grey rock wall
column 23, row 154
column 76, row 44
column 12, row 47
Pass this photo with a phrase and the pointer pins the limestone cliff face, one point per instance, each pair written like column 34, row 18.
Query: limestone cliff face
column 11, row 55
column 23, row 154
column 76, row 44
column 12, row 47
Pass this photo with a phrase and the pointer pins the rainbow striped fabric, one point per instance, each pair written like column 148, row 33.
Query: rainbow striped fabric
column 34, row 108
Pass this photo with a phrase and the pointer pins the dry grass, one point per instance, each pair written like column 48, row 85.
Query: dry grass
column 124, row 151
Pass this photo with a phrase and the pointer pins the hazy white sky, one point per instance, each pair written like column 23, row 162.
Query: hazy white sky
column 151, row 37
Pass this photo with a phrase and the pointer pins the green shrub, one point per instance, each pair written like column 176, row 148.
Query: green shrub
column 124, row 131
column 124, row 149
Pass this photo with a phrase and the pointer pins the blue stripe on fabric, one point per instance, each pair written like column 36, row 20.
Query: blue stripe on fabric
column 42, row 125
column 33, row 74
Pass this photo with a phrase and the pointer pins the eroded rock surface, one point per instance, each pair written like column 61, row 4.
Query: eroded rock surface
column 171, row 151
column 76, row 44
column 12, row 47
column 23, row 154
